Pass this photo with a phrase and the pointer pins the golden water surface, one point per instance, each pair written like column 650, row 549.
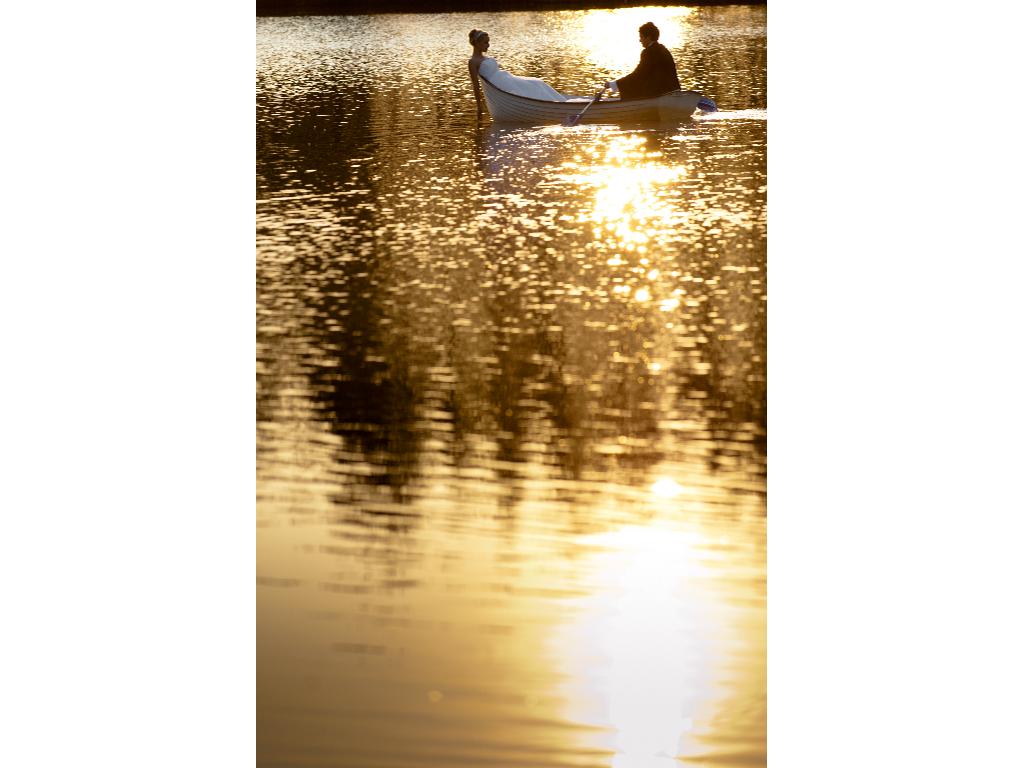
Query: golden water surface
column 510, row 400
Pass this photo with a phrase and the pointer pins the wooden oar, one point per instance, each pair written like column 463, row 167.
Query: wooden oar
column 575, row 119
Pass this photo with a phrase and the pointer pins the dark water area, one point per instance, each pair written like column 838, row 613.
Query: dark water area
column 329, row 7
column 511, row 421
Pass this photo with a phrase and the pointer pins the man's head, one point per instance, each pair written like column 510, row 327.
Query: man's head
column 648, row 34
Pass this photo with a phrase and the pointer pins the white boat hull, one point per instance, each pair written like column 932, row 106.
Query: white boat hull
column 507, row 107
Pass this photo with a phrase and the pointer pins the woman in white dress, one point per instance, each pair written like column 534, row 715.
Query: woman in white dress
column 487, row 67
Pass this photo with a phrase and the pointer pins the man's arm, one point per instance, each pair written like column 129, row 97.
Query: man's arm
column 642, row 71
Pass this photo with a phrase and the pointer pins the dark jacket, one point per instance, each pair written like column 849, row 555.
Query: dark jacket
column 653, row 76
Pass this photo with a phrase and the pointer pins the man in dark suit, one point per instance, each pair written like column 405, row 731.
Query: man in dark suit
column 654, row 75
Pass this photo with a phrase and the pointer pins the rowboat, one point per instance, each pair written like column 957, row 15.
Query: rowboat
column 508, row 107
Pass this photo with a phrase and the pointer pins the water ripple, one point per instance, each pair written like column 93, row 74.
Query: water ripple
column 511, row 423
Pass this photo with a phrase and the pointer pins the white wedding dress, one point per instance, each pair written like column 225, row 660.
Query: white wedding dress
column 531, row 87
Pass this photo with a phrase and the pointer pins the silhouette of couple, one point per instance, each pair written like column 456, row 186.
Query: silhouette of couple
column 653, row 76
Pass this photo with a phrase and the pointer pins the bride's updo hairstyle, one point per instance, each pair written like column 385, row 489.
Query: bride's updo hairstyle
column 474, row 35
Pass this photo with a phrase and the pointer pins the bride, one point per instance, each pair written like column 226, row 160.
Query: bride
column 480, row 65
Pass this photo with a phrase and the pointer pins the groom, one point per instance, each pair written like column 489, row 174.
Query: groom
column 654, row 75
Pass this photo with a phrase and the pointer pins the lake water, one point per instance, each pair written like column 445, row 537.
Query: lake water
column 511, row 429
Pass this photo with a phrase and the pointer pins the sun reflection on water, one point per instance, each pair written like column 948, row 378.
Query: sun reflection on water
column 631, row 212
column 666, row 488
column 611, row 40
column 639, row 655
column 626, row 179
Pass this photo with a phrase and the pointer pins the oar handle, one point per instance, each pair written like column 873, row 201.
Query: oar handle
column 592, row 101
column 575, row 119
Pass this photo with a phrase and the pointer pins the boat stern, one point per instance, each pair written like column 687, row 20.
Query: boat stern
column 678, row 105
